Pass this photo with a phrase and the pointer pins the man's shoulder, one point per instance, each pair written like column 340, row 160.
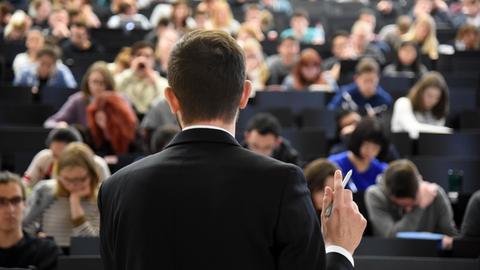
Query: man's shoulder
column 167, row 161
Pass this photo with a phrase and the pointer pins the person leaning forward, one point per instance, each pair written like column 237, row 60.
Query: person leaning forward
column 207, row 203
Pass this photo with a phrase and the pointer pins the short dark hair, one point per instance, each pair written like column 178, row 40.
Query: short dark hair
column 316, row 173
column 66, row 135
column 161, row 137
column 289, row 38
column 264, row 123
column 137, row 46
column 401, row 179
column 206, row 71
column 48, row 51
column 79, row 24
column 301, row 13
column 7, row 177
column 339, row 33
column 368, row 130
column 367, row 65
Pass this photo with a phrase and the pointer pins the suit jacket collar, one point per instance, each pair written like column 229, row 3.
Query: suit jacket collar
column 203, row 135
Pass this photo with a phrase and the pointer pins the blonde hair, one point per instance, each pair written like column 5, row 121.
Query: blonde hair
column 18, row 21
column 252, row 45
column 430, row 45
column 78, row 154
column 221, row 6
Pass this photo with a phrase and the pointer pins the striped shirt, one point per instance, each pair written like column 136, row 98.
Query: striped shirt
column 51, row 215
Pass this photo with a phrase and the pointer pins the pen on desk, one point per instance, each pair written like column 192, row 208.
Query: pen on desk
column 328, row 211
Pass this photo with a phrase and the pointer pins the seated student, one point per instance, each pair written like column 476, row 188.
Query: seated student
column 407, row 62
column 263, row 137
column 423, row 32
column 17, row 26
column 112, row 126
column 128, row 17
column 45, row 162
column 221, row 18
column 469, row 13
column 437, row 9
column 96, row 81
column 347, row 121
column 424, row 109
column 46, row 72
column 256, row 68
column 342, row 50
column 300, row 31
column 319, row 174
column 18, row 249
column 365, row 144
column 468, row 38
column 140, row 83
column 79, row 43
column 402, row 201
column 307, row 74
column 67, row 205
column 362, row 42
column 364, row 94
column 471, row 218
column 281, row 64
column 34, row 42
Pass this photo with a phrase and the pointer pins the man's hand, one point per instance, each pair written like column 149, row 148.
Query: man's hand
column 346, row 224
column 426, row 194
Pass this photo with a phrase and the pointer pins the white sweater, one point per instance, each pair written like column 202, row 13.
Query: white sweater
column 404, row 119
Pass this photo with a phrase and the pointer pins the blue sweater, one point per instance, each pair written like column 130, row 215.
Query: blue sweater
column 351, row 91
column 361, row 180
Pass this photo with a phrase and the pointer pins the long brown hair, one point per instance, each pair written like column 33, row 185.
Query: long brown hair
column 101, row 67
column 431, row 79
column 307, row 56
column 121, row 122
column 78, row 154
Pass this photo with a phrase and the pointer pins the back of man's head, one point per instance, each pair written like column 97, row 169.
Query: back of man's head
column 402, row 179
column 264, row 123
column 206, row 72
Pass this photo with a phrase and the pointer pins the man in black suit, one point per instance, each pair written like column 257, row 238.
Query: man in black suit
column 207, row 203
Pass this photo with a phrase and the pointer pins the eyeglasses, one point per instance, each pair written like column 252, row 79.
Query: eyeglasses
column 73, row 181
column 15, row 201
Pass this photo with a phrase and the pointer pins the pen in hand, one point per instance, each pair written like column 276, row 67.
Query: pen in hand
column 328, row 211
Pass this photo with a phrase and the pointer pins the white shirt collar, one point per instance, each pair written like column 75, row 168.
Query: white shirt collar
column 207, row 126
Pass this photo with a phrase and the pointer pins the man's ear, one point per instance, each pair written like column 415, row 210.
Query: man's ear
column 172, row 100
column 247, row 89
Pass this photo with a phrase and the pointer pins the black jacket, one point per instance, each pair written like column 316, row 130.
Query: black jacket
column 207, row 203
column 41, row 253
column 284, row 152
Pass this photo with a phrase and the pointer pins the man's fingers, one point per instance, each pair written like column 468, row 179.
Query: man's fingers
column 347, row 196
column 338, row 188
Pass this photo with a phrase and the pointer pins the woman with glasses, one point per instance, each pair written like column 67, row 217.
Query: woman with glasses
column 96, row 81
column 66, row 206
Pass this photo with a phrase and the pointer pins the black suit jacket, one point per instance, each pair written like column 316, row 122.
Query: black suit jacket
column 207, row 203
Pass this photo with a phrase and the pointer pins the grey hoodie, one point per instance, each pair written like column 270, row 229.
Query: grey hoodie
column 387, row 218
